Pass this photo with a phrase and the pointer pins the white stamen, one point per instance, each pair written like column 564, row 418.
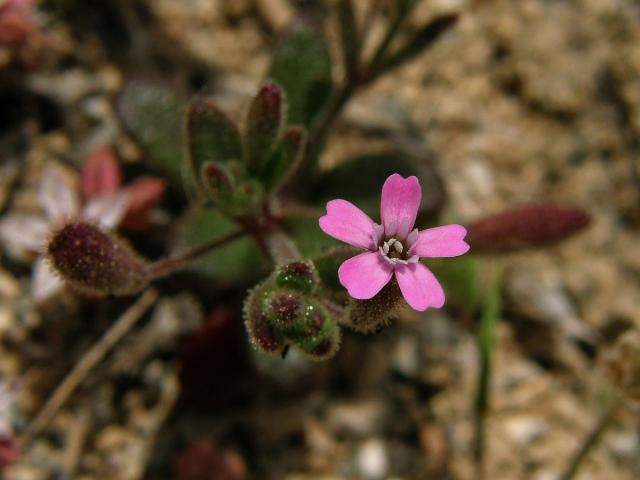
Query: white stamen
column 385, row 248
column 398, row 246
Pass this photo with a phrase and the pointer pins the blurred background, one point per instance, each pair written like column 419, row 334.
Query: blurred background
column 519, row 104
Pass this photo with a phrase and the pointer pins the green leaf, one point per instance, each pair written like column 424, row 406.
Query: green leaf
column 286, row 159
column 350, row 39
column 306, row 233
column 152, row 113
column 460, row 278
column 302, row 66
column 211, row 136
column 238, row 261
column 265, row 119
column 424, row 38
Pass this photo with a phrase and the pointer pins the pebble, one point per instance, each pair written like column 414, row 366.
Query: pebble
column 371, row 460
column 360, row 417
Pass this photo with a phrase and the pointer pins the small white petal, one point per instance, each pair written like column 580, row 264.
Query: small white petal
column 45, row 283
column 107, row 210
column 23, row 232
column 57, row 195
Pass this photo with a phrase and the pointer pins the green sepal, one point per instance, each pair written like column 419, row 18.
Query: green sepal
column 320, row 336
column 286, row 158
column 210, row 136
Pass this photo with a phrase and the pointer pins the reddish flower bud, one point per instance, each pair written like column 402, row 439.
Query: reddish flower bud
column 525, row 227
column 283, row 308
column 300, row 276
column 217, row 179
column 143, row 195
column 265, row 120
column 262, row 335
column 101, row 174
column 95, row 261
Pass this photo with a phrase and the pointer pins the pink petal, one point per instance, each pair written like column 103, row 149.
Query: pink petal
column 348, row 223
column 24, row 232
column 45, row 282
column 144, row 194
column 399, row 205
column 419, row 286
column 57, row 194
column 364, row 275
column 101, row 174
column 107, row 210
column 445, row 241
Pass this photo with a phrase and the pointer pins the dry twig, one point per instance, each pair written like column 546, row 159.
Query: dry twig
column 94, row 356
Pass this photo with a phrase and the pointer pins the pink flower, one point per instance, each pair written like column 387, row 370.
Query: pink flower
column 60, row 200
column 394, row 247
column 102, row 175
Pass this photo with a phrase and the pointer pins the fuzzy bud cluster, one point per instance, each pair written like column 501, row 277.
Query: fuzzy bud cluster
column 236, row 167
column 285, row 310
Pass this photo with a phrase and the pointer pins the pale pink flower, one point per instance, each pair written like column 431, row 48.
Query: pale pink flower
column 61, row 203
column 393, row 248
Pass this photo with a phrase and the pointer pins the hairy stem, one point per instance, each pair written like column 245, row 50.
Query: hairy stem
column 167, row 266
column 278, row 244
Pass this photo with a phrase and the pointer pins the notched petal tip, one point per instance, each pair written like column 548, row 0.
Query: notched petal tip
column 347, row 223
column 420, row 287
column 399, row 205
column 443, row 241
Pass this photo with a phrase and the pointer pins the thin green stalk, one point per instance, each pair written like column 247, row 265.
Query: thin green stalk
column 486, row 343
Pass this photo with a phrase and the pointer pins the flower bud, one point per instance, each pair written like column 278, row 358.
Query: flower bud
column 525, row 227
column 262, row 334
column 299, row 275
column 283, row 308
column 265, row 119
column 216, row 178
column 319, row 335
column 95, row 261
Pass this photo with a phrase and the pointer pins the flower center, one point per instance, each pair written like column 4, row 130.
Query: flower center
column 393, row 248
